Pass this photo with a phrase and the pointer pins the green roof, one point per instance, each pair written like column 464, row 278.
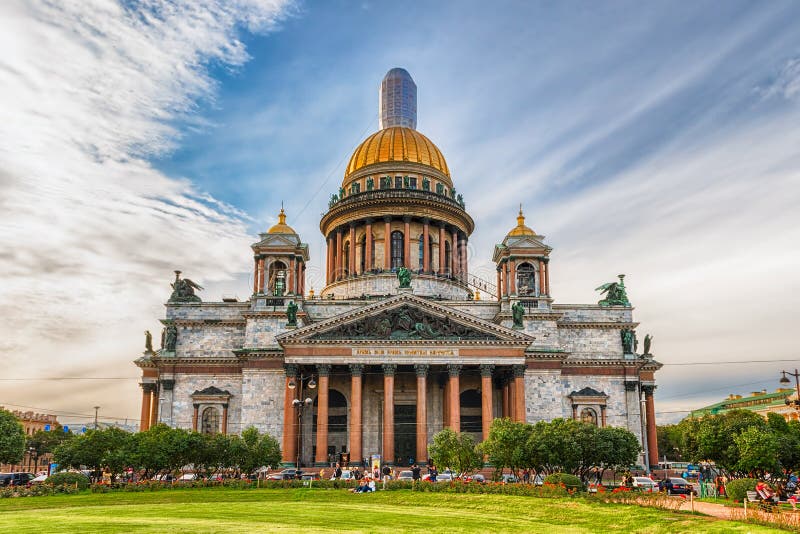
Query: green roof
column 753, row 403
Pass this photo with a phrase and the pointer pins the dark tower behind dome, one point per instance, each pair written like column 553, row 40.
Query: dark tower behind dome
column 398, row 100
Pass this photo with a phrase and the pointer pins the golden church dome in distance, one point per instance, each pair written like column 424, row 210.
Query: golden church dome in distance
column 520, row 229
column 400, row 145
column 282, row 227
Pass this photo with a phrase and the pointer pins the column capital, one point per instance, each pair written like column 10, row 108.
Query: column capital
column 426, row 220
column 648, row 389
column 487, row 369
column 387, row 218
column 323, row 369
column 406, row 219
column 369, row 220
column 453, row 369
column 148, row 387
column 630, row 385
column 225, row 406
column 291, row 370
column 196, row 406
column 421, row 369
column 356, row 369
column 518, row 370
column 389, row 369
column 167, row 383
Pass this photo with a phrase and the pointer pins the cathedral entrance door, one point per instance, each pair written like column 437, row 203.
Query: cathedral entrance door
column 405, row 433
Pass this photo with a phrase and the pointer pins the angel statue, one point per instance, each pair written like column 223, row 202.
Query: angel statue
column 183, row 289
column 615, row 293
column 291, row 314
column 648, row 340
column 404, row 277
column 148, row 341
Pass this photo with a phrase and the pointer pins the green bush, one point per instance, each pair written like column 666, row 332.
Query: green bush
column 570, row 481
column 68, row 479
column 737, row 489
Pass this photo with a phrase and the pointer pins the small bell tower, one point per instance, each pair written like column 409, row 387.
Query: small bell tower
column 280, row 262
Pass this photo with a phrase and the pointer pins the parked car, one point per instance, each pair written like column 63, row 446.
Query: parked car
column 509, row 478
column 15, row 479
column 645, row 484
column 405, row 475
column 444, row 477
column 677, row 486
column 286, row 474
column 40, row 479
column 477, row 478
column 189, row 477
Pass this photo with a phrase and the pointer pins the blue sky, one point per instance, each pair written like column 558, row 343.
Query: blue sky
column 658, row 139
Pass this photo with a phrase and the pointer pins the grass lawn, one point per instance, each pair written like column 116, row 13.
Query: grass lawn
column 318, row 510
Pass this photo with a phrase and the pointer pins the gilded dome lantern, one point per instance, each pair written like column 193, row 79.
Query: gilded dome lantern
column 397, row 207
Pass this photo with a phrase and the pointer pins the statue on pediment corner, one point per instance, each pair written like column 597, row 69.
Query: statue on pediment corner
column 148, row 341
column 291, row 314
column 615, row 294
column 404, row 277
column 170, row 338
column 517, row 314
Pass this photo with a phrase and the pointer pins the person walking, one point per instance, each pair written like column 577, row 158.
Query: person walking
column 338, row 473
column 433, row 473
column 415, row 473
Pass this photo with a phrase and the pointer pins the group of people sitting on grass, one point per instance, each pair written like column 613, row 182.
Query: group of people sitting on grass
column 365, row 485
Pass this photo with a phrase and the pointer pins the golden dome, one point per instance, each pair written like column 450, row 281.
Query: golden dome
column 520, row 229
column 281, row 227
column 397, row 144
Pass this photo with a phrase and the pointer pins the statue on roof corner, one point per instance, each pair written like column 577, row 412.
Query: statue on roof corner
column 615, row 293
column 517, row 314
column 148, row 341
column 404, row 277
column 291, row 314
column 183, row 290
column 648, row 340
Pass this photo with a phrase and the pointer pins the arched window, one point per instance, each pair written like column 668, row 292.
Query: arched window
column 210, row 423
column 447, row 257
column 346, row 259
column 364, row 253
column 398, row 257
column 589, row 416
column 420, row 250
column 526, row 280
column 277, row 278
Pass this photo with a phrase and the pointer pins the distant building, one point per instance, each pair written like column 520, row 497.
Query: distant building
column 759, row 402
column 32, row 422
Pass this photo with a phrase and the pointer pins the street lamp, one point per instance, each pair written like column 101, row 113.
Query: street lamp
column 300, row 406
column 785, row 381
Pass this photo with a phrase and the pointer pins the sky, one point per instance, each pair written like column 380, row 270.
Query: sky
column 659, row 140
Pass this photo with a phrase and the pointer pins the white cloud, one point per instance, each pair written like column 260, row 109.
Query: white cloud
column 89, row 230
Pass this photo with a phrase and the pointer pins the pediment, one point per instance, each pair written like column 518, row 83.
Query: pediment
column 587, row 392
column 526, row 242
column 406, row 318
column 278, row 240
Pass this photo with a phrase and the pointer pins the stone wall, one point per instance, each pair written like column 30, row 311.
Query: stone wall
column 262, row 401
column 387, row 284
column 576, row 313
column 596, row 343
column 261, row 330
column 199, row 311
column 209, row 340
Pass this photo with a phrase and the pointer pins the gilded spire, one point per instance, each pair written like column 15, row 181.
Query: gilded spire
column 281, row 227
column 521, row 229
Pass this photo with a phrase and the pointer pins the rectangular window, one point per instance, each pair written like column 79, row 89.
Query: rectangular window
column 398, row 182
column 412, row 183
column 385, row 182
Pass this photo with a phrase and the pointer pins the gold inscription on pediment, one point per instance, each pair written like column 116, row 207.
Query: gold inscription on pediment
column 383, row 351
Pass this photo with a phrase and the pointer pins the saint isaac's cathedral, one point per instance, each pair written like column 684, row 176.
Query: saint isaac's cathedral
column 402, row 341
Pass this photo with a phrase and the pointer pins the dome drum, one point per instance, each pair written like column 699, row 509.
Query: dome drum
column 385, row 284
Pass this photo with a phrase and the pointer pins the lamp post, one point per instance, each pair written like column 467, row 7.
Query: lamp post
column 785, row 381
column 300, row 406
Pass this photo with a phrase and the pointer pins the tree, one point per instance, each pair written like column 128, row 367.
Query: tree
column 12, row 438
column 506, row 444
column 45, row 442
column 159, row 448
column 456, row 451
column 757, row 452
column 108, row 449
column 257, row 450
column 669, row 441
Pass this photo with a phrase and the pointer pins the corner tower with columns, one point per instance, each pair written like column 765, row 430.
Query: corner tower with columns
column 371, row 369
